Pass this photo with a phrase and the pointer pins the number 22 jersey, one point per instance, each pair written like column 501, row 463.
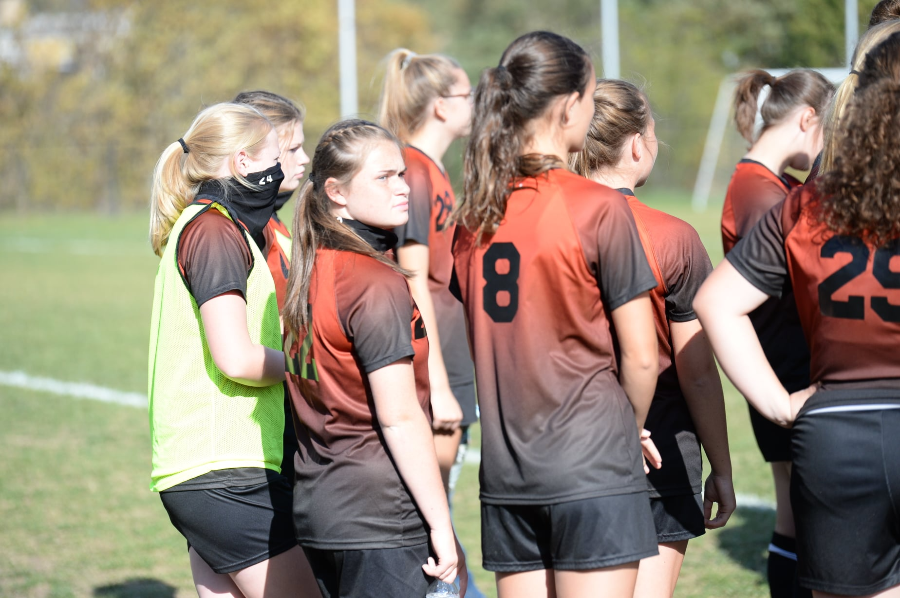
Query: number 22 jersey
column 557, row 425
column 847, row 293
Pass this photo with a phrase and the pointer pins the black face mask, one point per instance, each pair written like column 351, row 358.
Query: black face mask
column 282, row 198
column 254, row 207
column 380, row 239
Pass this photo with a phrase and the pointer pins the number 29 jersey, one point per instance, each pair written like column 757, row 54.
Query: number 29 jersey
column 847, row 292
column 557, row 425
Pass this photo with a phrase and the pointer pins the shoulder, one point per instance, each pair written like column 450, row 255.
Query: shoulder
column 417, row 163
column 211, row 227
column 586, row 196
column 663, row 227
column 357, row 275
column 751, row 176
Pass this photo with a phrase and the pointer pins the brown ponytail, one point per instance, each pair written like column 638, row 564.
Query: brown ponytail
column 534, row 70
column 340, row 154
column 620, row 111
column 886, row 10
column 800, row 87
column 411, row 81
column 859, row 196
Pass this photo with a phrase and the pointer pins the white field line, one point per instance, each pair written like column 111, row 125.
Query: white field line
column 78, row 390
column 81, row 390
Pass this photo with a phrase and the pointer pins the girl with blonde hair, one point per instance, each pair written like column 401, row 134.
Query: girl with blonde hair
column 215, row 368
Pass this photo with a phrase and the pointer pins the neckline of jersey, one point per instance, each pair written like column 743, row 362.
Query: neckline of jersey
column 430, row 159
column 783, row 180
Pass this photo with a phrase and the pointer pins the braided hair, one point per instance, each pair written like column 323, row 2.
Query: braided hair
column 339, row 156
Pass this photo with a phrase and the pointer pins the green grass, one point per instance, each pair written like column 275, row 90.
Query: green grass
column 76, row 515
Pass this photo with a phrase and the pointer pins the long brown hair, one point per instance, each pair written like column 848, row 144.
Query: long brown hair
column 340, row 154
column 859, row 196
column 800, row 87
column 621, row 110
column 411, row 81
column 534, row 70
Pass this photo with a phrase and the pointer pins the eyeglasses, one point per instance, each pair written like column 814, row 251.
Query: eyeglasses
column 468, row 95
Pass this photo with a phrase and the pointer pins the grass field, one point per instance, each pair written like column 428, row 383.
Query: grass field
column 76, row 515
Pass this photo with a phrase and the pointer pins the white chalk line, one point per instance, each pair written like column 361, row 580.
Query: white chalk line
column 82, row 390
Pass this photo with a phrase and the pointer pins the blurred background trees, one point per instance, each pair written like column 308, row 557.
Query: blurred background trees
column 91, row 91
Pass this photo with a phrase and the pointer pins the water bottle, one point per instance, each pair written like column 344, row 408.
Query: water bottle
column 442, row 589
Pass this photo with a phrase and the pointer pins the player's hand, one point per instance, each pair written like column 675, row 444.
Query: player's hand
column 448, row 551
column 651, row 453
column 447, row 412
column 799, row 398
column 719, row 489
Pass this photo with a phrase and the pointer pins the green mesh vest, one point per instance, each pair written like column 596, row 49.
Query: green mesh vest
column 200, row 420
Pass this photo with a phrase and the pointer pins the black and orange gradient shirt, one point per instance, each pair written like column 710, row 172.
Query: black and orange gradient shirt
column 557, row 425
column 752, row 192
column 348, row 493
column 847, row 294
column 680, row 264
column 277, row 260
column 431, row 200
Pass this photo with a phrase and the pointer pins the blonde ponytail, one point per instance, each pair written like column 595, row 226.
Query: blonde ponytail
column 411, row 82
column 216, row 134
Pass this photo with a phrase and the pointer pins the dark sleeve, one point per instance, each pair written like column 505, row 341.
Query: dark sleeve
column 684, row 270
column 760, row 256
column 214, row 257
column 375, row 309
column 623, row 269
column 418, row 227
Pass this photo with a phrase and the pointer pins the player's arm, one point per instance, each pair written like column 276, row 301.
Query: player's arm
column 639, row 362
column 225, row 326
column 447, row 412
column 410, row 442
column 699, row 380
column 723, row 304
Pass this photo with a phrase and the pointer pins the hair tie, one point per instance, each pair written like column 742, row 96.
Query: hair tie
column 855, row 72
column 184, row 145
column 312, row 179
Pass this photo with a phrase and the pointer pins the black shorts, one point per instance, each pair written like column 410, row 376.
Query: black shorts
column 774, row 441
column 234, row 528
column 678, row 518
column 374, row 572
column 845, row 493
column 465, row 396
column 584, row 534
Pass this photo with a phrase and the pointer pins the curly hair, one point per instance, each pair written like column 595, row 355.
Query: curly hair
column 860, row 196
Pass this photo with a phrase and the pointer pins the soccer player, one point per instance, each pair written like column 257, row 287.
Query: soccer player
column 215, row 372
column 426, row 103
column 835, row 241
column 791, row 135
column 287, row 118
column 370, row 510
column 545, row 261
column 619, row 152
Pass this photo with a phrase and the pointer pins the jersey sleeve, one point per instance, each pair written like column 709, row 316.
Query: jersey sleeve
column 684, row 269
column 760, row 256
column 418, row 228
column 751, row 202
column 214, row 257
column 623, row 269
column 375, row 310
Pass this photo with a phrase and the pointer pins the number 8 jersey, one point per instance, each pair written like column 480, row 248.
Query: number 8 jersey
column 537, row 294
column 847, row 292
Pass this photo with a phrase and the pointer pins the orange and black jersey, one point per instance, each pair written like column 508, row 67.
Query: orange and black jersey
column 847, row 292
column 680, row 263
column 431, row 200
column 752, row 192
column 350, row 495
column 278, row 261
column 556, row 424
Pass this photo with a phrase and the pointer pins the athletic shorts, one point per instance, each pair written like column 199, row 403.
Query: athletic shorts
column 584, row 534
column 465, row 396
column 289, row 438
column 234, row 528
column 845, row 493
column 774, row 441
column 678, row 518
column 379, row 572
